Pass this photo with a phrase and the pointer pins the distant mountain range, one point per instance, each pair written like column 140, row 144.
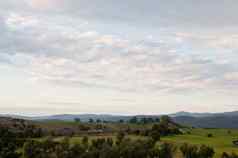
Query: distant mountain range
column 72, row 117
column 207, row 120
column 204, row 120
column 183, row 113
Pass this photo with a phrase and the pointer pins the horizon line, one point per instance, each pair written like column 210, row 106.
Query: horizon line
column 111, row 114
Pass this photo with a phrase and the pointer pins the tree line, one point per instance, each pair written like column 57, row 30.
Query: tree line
column 133, row 120
column 24, row 143
column 120, row 147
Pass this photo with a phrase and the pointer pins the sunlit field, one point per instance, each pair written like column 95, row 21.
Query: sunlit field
column 221, row 139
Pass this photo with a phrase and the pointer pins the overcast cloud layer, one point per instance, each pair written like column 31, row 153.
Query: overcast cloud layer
column 119, row 51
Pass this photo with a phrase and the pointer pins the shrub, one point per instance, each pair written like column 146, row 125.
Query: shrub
column 226, row 155
column 166, row 150
column 85, row 141
column 209, row 135
column 120, row 137
column 192, row 151
column 155, row 135
column 206, row 152
column 189, row 151
column 9, row 144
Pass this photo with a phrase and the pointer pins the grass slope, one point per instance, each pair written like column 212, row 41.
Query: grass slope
column 221, row 140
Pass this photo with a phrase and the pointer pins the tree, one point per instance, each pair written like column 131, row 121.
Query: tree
column 165, row 120
column 133, row 120
column 77, row 151
column 120, row 137
column 166, row 150
column 9, row 144
column 226, row 155
column 91, row 120
column 206, row 152
column 209, row 135
column 150, row 120
column 85, row 141
column 121, row 121
column 77, row 120
column 189, row 151
column 109, row 141
column 157, row 120
column 155, row 135
column 192, row 151
column 163, row 129
column 144, row 120
column 233, row 155
column 108, row 151
column 98, row 121
column 32, row 149
column 134, row 148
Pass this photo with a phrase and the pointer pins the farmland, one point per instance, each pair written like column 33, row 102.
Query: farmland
column 220, row 139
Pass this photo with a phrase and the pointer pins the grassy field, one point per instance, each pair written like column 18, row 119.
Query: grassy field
column 221, row 140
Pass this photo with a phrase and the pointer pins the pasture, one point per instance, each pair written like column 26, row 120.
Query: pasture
column 221, row 139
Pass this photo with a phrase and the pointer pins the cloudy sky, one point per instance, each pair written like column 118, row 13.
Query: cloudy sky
column 118, row 57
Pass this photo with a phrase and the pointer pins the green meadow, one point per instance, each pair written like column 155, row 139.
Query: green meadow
column 221, row 139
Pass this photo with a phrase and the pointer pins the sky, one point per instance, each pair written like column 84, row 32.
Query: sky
column 118, row 57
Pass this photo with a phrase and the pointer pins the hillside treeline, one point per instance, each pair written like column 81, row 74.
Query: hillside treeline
column 24, row 140
column 121, row 147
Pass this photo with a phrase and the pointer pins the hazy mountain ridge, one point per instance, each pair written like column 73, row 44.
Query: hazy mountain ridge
column 205, row 120
column 183, row 113
column 208, row 122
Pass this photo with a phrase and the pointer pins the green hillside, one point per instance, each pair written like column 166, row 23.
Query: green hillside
column 221, row 139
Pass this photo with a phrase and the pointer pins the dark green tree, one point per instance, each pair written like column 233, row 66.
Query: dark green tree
column 91, row 120
column 77, row 120
column 133, row 120
column 166, row 150
column 155, row 135
column 120, row 137
column 9, row 144
column 206, row 152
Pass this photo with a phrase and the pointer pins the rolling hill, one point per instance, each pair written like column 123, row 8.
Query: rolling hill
column 203, row 120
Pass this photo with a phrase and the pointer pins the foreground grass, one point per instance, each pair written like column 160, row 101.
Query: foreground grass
column 221, row 140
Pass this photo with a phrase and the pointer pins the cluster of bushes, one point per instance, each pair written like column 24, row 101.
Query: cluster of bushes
column 209, row 135
column 20, row 128
column 99, row 148
column 193, row 151
column 226, row 155
column 143, row 120
column 20, row 144
column 123, row 147
column 106, row 148
column 164, row 127
column 9, row 144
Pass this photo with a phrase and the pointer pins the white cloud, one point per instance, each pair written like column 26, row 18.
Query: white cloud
column 165, row 46
column 16, row 21
column 61, row 53
column 67, row 50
